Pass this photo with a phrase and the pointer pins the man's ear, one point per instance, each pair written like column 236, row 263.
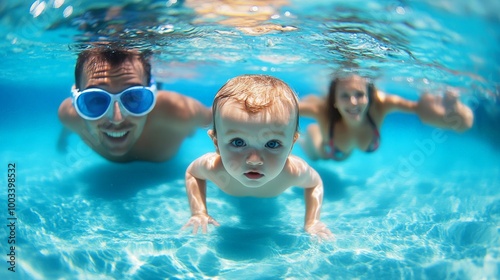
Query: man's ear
column 214, row 139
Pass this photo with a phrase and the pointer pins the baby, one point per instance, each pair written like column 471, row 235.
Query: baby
column 255, row 127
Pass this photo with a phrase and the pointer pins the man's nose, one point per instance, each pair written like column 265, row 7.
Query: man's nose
column 116, row 114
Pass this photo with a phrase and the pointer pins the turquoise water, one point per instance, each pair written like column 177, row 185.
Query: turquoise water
column 421, row 207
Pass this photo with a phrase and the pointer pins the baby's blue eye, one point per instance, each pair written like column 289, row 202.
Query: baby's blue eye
column 238, row 142
column 273, row 144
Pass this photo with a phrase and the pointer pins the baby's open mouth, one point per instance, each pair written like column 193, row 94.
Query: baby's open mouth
column 254, row 175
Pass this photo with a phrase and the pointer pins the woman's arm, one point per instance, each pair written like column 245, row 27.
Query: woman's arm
column 393, row 103
column 311, row 106
column 445, row 112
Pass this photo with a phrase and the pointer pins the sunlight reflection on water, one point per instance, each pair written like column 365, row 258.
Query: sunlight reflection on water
column 83, row 217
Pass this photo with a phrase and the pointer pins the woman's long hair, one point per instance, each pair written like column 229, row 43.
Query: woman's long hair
column 332, row 111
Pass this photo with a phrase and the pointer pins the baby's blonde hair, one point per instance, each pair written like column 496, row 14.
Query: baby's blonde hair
column 256, row 93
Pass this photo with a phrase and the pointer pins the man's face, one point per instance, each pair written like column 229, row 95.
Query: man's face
column 115, row 132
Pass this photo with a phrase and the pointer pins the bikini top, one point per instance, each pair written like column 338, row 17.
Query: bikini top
column 337, row 154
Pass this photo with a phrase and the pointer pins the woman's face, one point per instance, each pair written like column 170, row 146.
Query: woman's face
column 351, row 99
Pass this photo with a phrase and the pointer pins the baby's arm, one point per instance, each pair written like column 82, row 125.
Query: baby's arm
column 196, row 188
column 313, row 195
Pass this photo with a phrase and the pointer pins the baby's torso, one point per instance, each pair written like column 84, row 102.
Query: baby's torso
column 228, row 184
column 233, row 187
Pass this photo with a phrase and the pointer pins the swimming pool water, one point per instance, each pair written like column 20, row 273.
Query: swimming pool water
column 415, row 209
column 421, row 207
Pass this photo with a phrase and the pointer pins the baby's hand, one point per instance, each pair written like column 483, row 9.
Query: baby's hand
column 320, row 230
column 200, row 220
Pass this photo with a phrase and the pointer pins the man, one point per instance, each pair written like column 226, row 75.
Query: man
column 117, row 111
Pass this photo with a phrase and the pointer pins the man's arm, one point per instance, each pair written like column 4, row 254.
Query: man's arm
column 71, row 123
column 68, row 116
column 204, row 114
column 62, row 141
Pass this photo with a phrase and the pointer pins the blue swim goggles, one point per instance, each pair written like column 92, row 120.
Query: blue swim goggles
column 93, row 103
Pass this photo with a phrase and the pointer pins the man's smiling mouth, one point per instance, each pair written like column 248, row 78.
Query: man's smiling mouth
column 116, row 134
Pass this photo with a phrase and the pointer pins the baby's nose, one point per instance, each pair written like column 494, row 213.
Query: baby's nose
column 254, row 159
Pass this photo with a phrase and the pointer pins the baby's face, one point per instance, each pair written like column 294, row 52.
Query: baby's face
column 253, row 147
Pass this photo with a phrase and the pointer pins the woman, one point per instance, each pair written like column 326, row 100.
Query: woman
column 352, row 113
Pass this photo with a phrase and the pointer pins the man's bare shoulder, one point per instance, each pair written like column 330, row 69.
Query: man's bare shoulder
column 170, row 95
column 68, row 116
column 65, row 109
column 173, row 99
column 176, row 105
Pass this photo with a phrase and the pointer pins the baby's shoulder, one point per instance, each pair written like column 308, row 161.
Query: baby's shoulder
column 300, row 173
column 295, row 166
column 205, row 166
column 296, row 159
column 209, row 160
